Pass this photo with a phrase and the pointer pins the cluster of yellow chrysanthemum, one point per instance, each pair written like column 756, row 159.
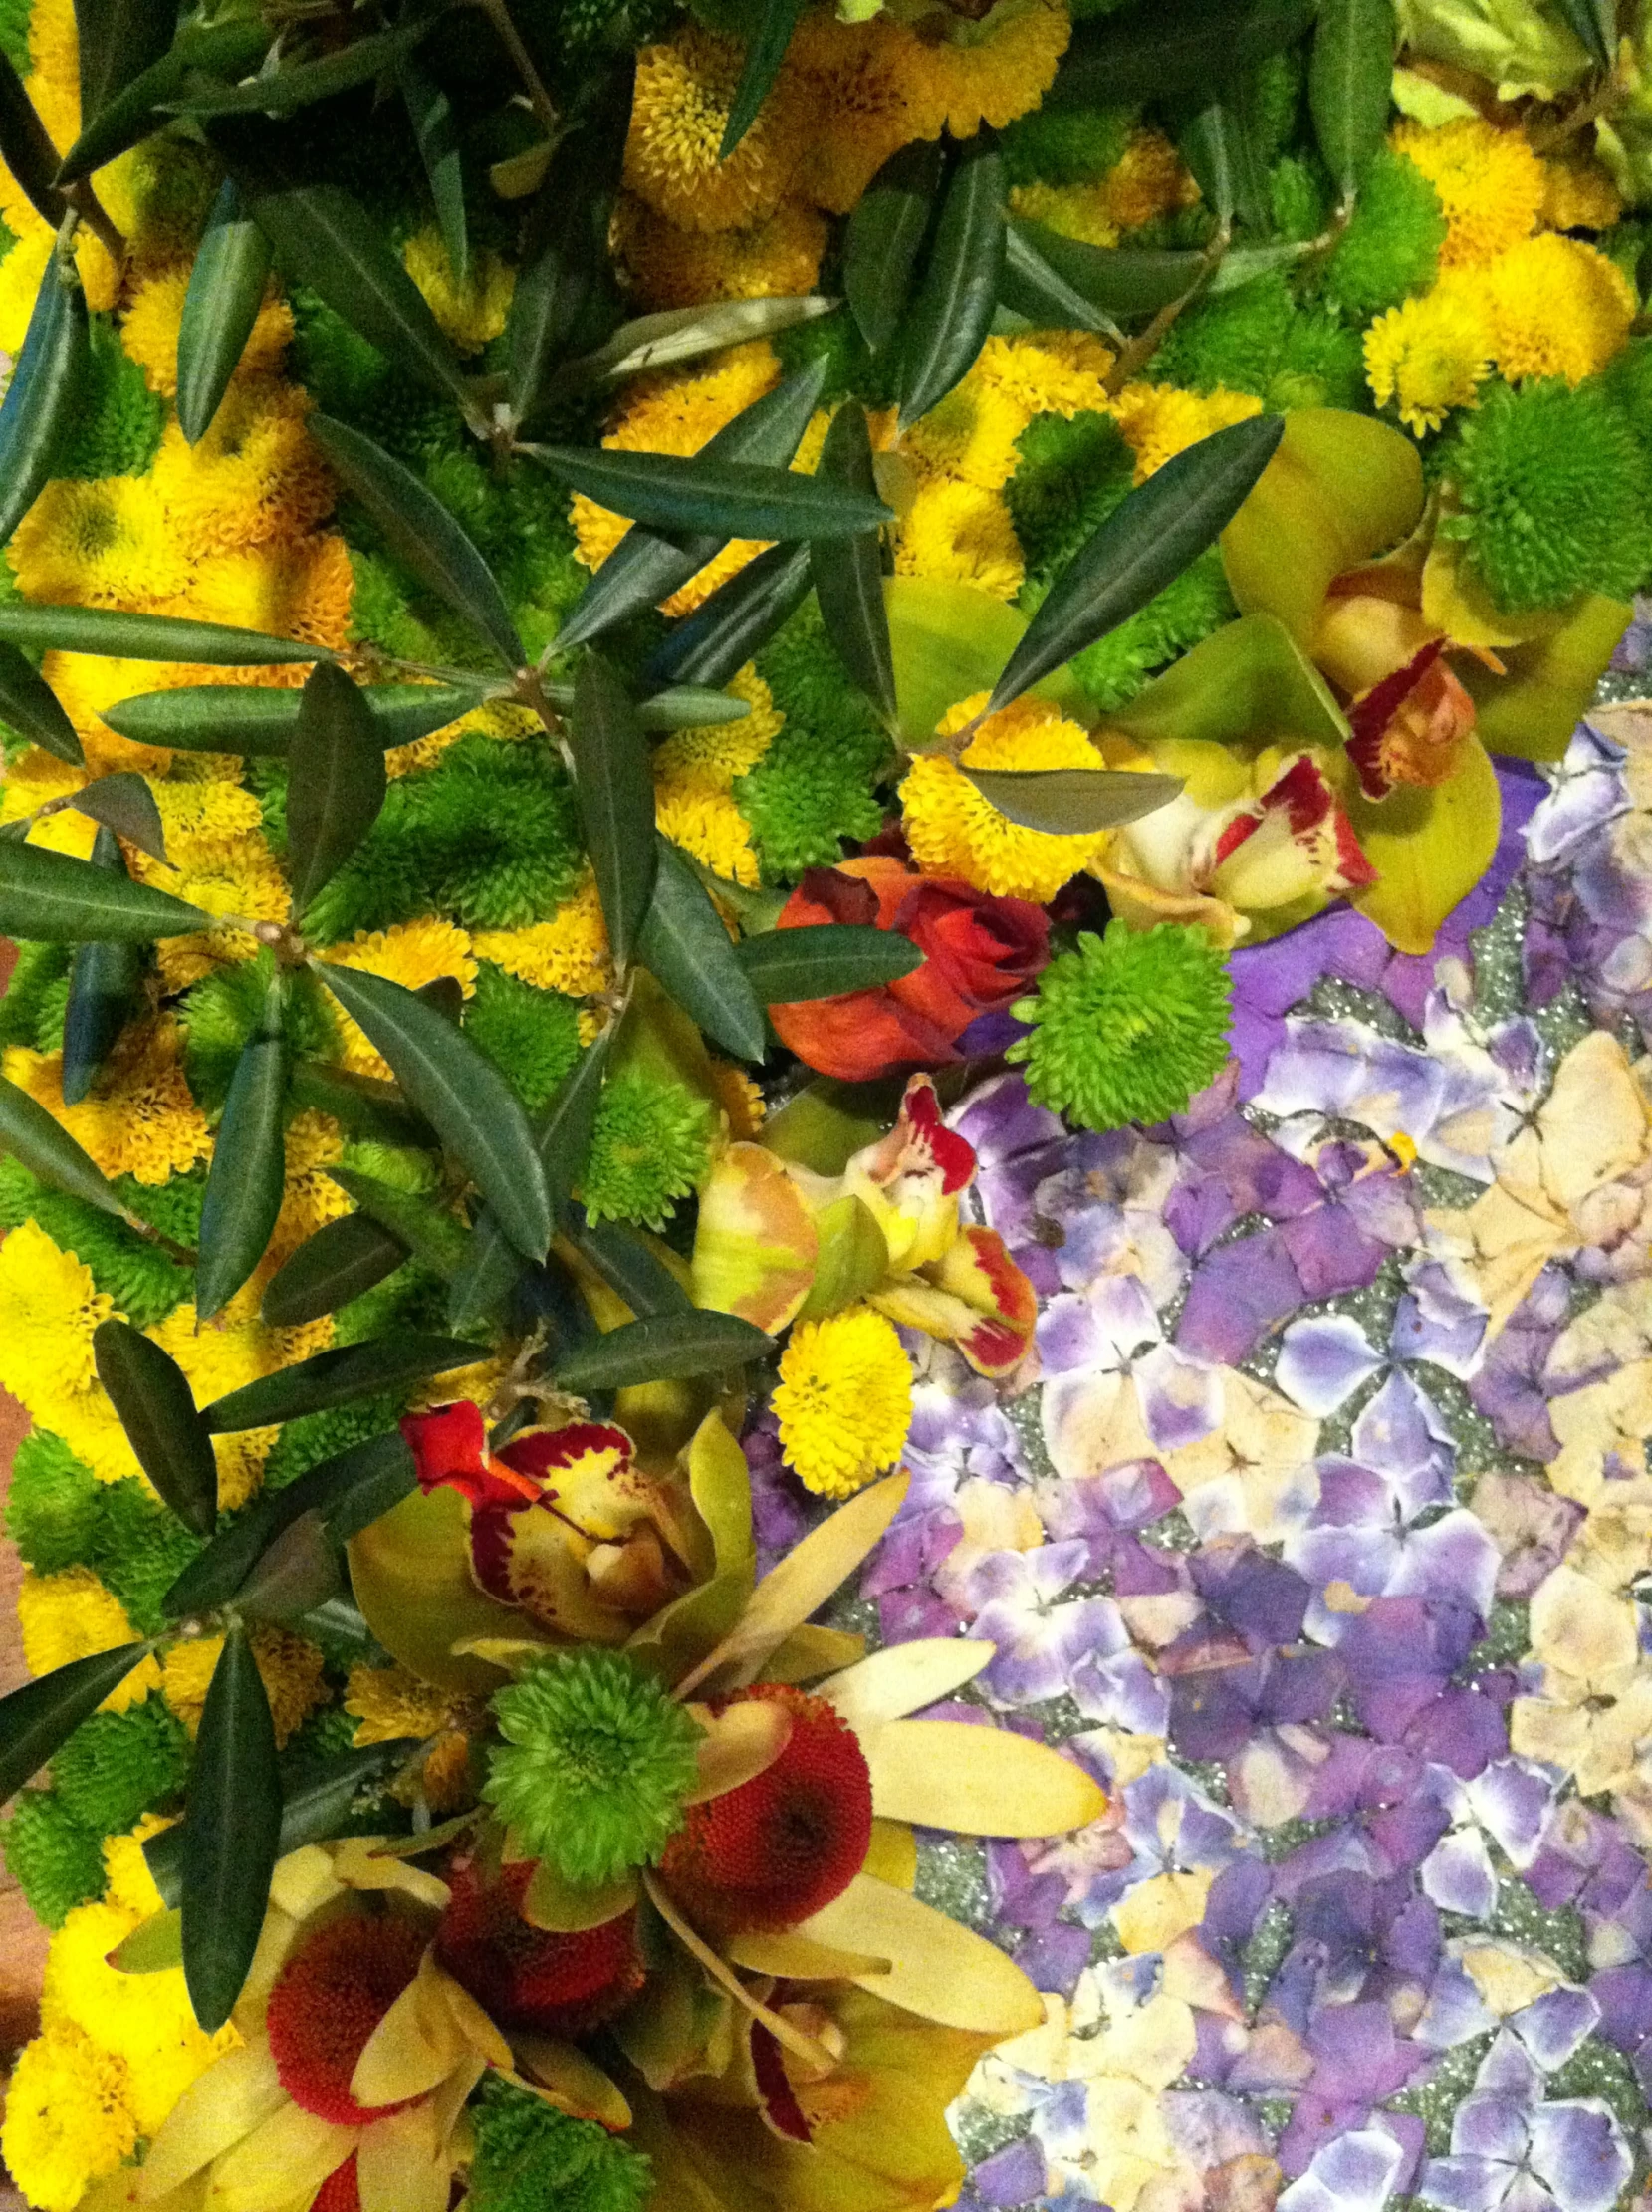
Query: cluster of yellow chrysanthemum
column 1510, row 298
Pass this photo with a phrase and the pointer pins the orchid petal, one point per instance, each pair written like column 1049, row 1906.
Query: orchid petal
column 567, row 1908
column 755, row 1245
column 904, row 1677
column 942, row 1970
column 572, row 2082
column 399, row 2165
column 976, row 1780
column 227, row 2102
column 410, row 2050
column 789, row 1956
column 291, row 2143
column 740, row 1743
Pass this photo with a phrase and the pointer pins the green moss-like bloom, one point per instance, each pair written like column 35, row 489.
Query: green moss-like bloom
column 139, row 1549
column 1115, row 667
column 60, row 1515
column 1259, row 339
column 52, row 1512
column 118, row 1766
column 533, row 1036
column 118, row 421
column 305, row 1442
column 144, row 1284
column 594, row 1766
column 1391, row 247
column 1070, row 473
column 530, row 2156
column 651, row 1146
column 1556, row 494
column 30, row 997
column 817, row 783
column 55, row 1860
column 1066, row 145
column 221, row 1012
column 1127, row 1025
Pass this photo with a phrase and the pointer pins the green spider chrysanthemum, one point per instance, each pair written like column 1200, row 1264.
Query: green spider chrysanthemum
column 1391, row 247
column 143, row 1281
column 530, row 2155
column 117, row 1765
column 594, row 1766
column 534, row 1036
column 651, row 1146
column 1127, row 1025
column 55, row 1860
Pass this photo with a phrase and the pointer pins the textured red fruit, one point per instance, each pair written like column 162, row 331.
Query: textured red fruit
column 339, row 2192
column 328, row 1999
column 785, row 1843
column 530, row 1977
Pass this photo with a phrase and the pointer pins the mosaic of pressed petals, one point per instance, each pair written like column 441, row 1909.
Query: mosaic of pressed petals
column 1324, row 1541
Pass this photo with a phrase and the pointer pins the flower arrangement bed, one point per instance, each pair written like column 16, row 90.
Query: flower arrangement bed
column 824, row 1120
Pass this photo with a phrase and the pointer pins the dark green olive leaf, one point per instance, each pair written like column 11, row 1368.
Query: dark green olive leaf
column 447, row 994
column 282, row 89
column 429, row 1234
column 125, row 803
column 688, row 706
column 226, row 291
column 121, row 637
column 248, row 1173
column 342, row 1259
column 1349, row 75
column 463, row 1096
column 41, row 400
column 347, row 1490
column 420, row 532
column 430, row 112
column 335, row 1377
column 1115, row 280
column 46, row 1148
column 315, row 1813
column 1151, row 53
column 336, row 782
column 27, row 150
column 231, row 1833
column 615, row 791
column 1073, row 802
column 37, row 1719
column 662, row 1349
column 1143, row 544
column 682, row 333
column 153, row 1946
column 118, row 40
column 764, row 56
column 564, row 284
column 59, row 901
column 724, row 631
column 155, row 1407
column 849, row 571
column 952, row 311
column 323, row 237
column 562, row 1136
column 687, row 493
column 886, row 233
column 825, row 959
column 225, row 50
column 298, row 1572
column 1219, row 149
column 1593, row 22
column 258, row 721
column 684, row 945
column 104, row 991
column 645, row 569
column 366, row 1106
column 627, row 1266
column 1032, row 288
column 30, row 706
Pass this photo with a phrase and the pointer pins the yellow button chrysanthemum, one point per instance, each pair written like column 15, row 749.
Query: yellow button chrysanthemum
column 680, row 268
column 567, row 952
column 686, row 87
column 69, row 2117
column 1490, row 185
column 954, row 830
column 71, row 1615
column 1557, row 309
column 472, row 311
column 291, row 1671
column 959, row 532
column 1428, row 355
column 843, row 1401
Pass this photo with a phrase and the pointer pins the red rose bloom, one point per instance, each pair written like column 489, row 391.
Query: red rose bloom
column 980, row 952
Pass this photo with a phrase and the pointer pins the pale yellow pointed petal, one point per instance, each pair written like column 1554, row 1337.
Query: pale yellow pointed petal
column 123, row 2191
column 290, row 2152
column 565, row 1907
column 416, row 2044
column 221, row 2105
column 809, row 1651
column 399, row 2166
column 739, row 1743
column 892, row 1854
column 510, row 1652
column 572, row 2082
column 276, row 1939
column 791, row 1957
column 904, row 1677
column 475, row 2028
column 361, row 1866
column 303, row 1881
column 976, row 1780
column 805, row 1578
column 784, row 2031
column 447, row 2105
column 941, row 1970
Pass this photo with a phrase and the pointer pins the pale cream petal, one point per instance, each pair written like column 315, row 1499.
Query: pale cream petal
column 474, row 2026
column 359, row 1865
column 976, row 1780
column 892, row 1854
column 416, row 2044
column 221, row 2105
column 739, row 1744
column 905, row 1678
column 805, row 1578
column 447, row 2105
column 789, row 1956
column 942, row 1970
column 303, row 1881
column 574, row 2082
column 401, row 2167
column 290, row 2152
column 565, row 1908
